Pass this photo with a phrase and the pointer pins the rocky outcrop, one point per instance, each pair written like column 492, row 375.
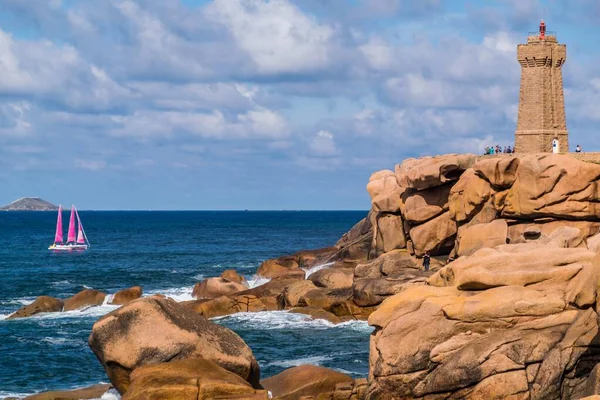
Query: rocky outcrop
column 85, row 298
column 333, row 278
column 305, row 380
column 29, row 204
column 42, row 304
column 90, row 392
column 479, row 236
column 216, row 287
column 233, row 276
column 189, row 379
column 296, row 263
column 227, row 305
column 155, row 330
column 517, row 321
column 427, row 172
column 126, row 295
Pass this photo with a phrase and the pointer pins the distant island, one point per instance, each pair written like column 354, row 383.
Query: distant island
column 29, row 204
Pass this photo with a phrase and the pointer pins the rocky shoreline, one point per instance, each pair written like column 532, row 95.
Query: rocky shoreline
column 508, row 309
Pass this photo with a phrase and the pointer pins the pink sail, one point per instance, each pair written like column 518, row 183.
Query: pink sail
column 71, row 234
column 80, row 238
column 58, row 237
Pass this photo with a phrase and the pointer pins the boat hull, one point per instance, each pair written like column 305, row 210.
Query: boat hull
column 68, row 247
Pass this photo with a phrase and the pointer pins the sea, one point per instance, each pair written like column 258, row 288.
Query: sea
column 165, row 252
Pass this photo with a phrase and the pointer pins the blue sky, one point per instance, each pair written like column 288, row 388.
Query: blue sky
column 256, row 104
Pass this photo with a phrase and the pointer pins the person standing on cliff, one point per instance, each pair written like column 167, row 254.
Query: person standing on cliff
column 426, row 260
column 578, row 149
column 555, row 148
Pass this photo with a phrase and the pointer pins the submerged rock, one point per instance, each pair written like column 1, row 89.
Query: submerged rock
column 216, row 287
column 155, row 330
column 90, row 392
column 42, row 304
column 126, row 295
column 85, row 298
column 233, row 276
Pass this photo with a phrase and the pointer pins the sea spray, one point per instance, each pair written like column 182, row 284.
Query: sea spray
column 316, row 268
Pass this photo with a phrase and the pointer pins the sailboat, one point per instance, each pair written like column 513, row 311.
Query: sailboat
column 79, row 242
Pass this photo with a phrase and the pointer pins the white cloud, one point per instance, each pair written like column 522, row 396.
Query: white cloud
column 41, row 69
column 277, row 35
column 323, row 144
column 14, row 119
column 90, row 164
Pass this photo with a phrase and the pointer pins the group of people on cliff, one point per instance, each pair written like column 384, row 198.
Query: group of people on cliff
column 498, row 150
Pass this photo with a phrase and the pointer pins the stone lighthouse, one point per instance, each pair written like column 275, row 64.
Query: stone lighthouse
column 541, row 117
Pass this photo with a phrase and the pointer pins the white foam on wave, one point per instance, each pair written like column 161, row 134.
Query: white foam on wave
column 61, row 283
column 198, row 277
column 257, row 280
column 108, row 299
column 314, row 360
column 7, row 395
column 177, row 294
column 58, row 341
column 316, row 268
column 111, row 394
column 289, row 320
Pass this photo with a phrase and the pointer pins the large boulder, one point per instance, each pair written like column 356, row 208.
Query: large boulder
column 155, row 330
column 42, row 304
column 373, row 291
column 226, row 305
column 479, row 236
column 436, row 236
column 89, row 392
column 388, row 234
column 501, row 173
column 297, row 262
column 292, row 293
column 468, row 196
column 275, row 268
column 216, row 287
column 304, row 380
column 576, row 233
column 333, row 278
column 126, row 295
column 593, row 243
column 193, row 379
column 390, row 263
column 357, row 233
column 554, row 186
column 426, row 172
column 420, row 206
column 384, row 191
column 189, row 379
column 85, row 298
column 326, row 299
column 528, row 331
column 233, row 276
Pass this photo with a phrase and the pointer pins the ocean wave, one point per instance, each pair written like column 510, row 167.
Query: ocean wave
column 111, row 394
column 177, row 294
column 314, row 360
column 59, row 341
column 256, row 280
column 8, row 395
column 316, row 268
column 289, row 320
column 199, row 277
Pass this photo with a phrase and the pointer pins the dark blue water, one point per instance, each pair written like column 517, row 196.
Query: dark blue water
column 165, row 252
